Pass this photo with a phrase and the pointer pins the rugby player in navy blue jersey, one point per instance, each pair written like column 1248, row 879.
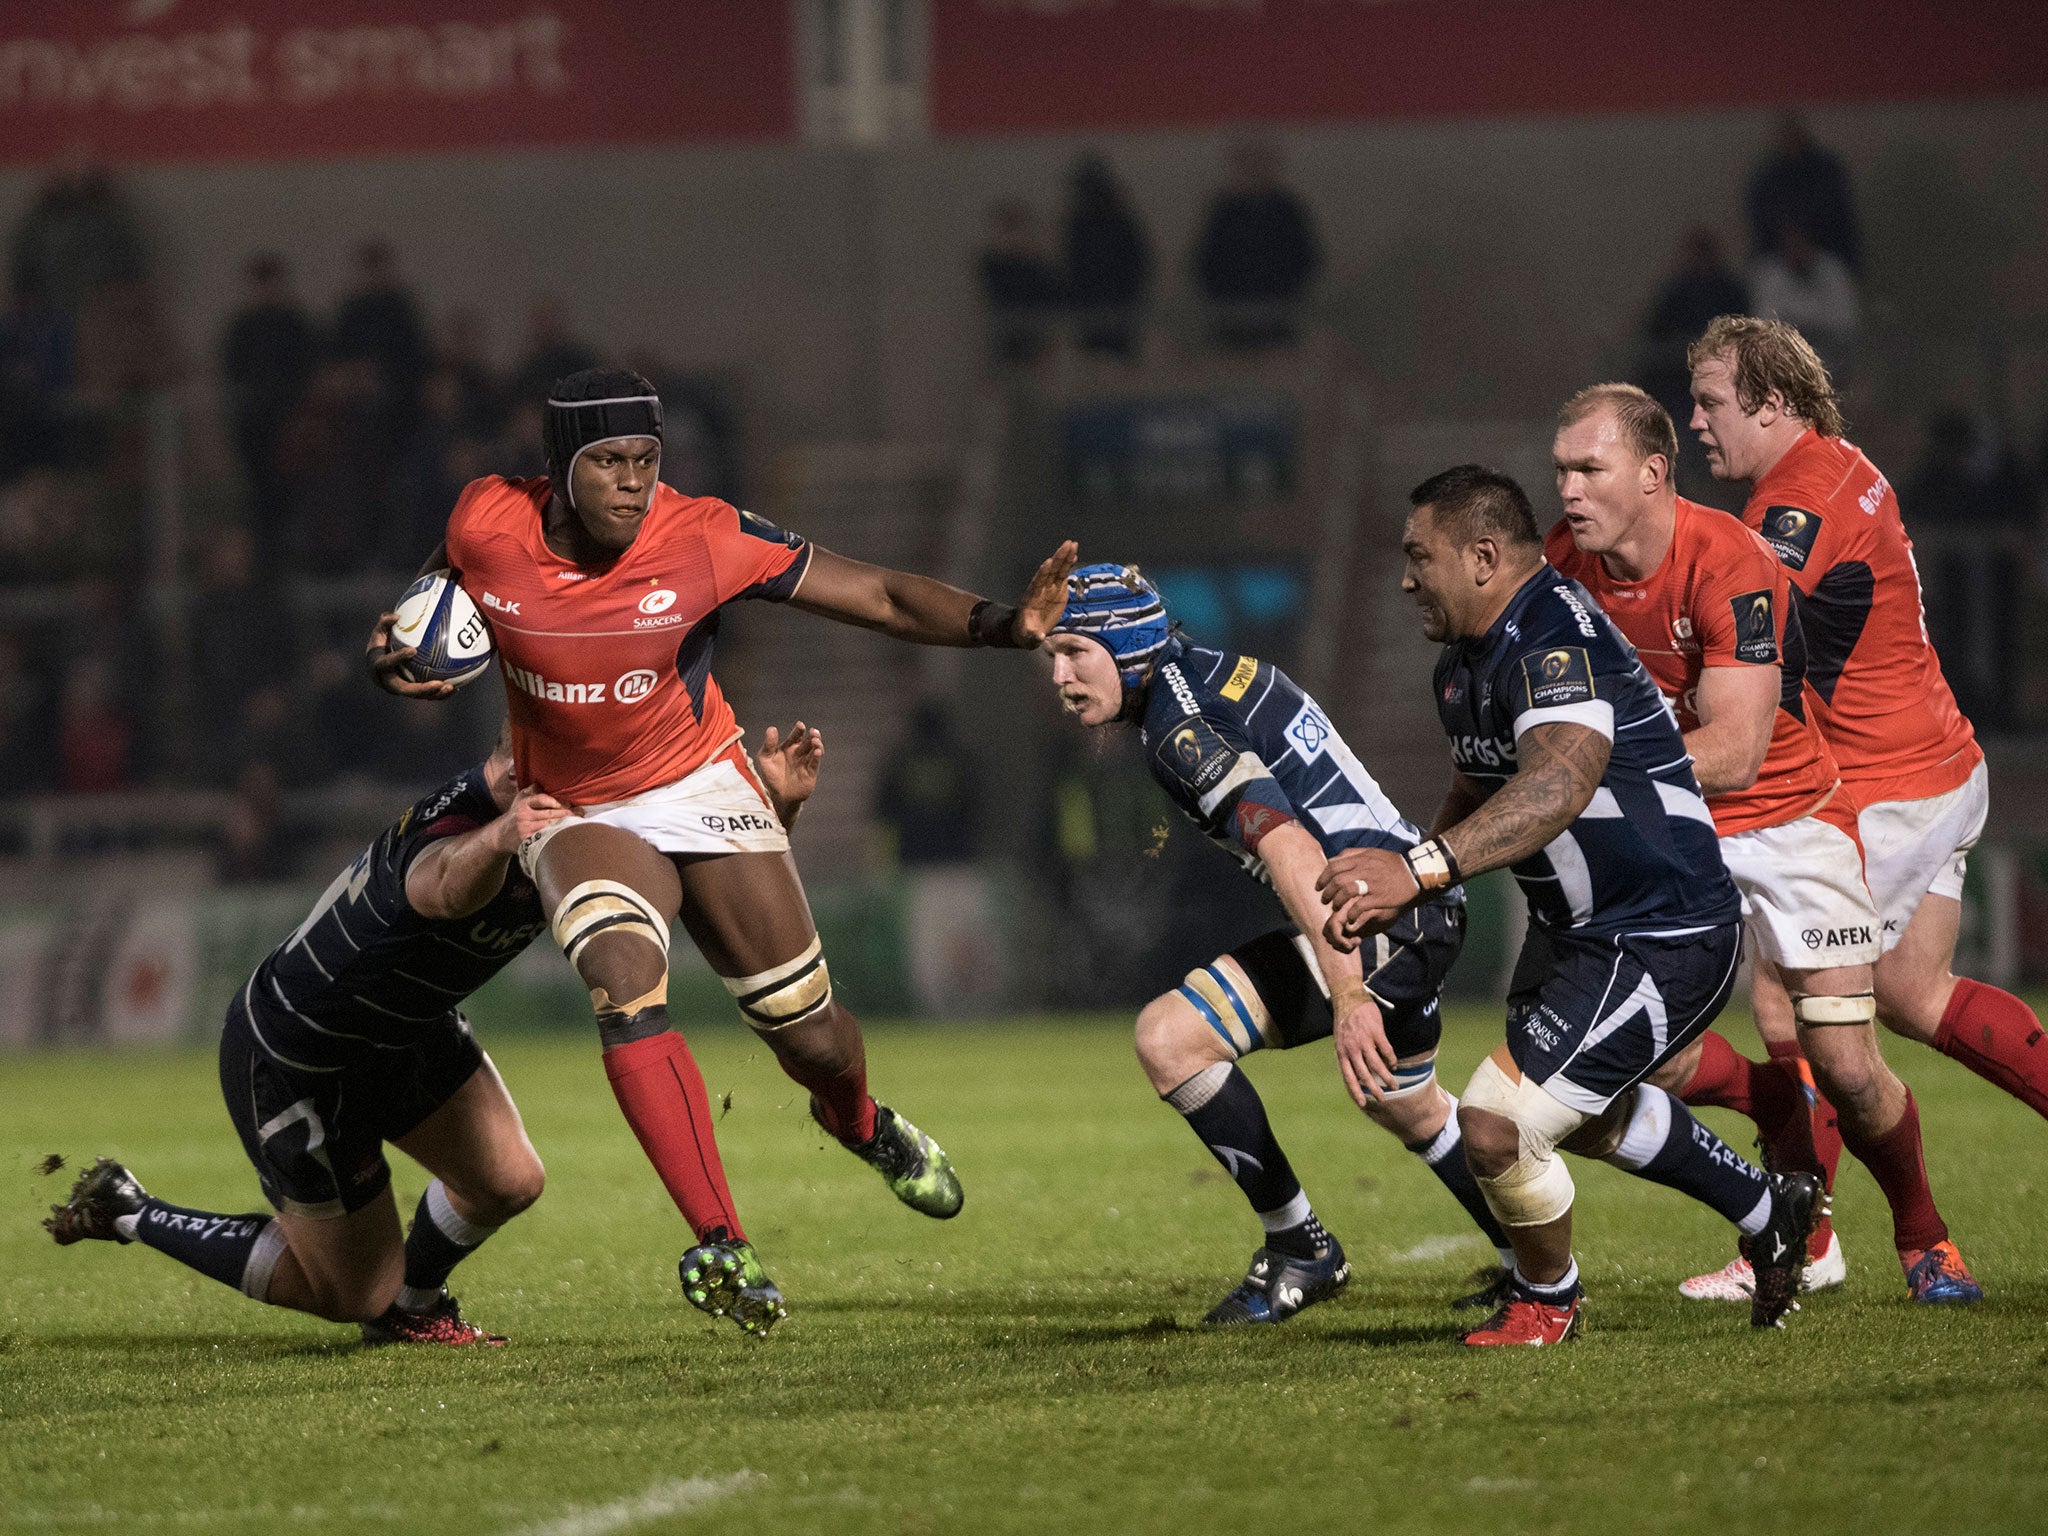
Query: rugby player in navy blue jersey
column 349, row 1035
column 1255, row 763
column 1570, row 772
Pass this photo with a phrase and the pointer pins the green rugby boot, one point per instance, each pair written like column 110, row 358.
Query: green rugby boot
column 726, row 1279
column 915, row 1167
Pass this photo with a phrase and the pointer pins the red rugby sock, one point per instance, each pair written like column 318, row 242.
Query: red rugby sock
column 661, row 1091
column 1824, row 1153
column 1895, row 1160
column 1727, row 1079
column 1997, row 1037
column 844, row 1106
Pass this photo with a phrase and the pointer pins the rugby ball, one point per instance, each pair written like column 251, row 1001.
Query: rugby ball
column 449, row 636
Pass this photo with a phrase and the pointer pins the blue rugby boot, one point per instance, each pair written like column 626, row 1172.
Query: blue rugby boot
column 1938, row 1277
column 1278, row 1285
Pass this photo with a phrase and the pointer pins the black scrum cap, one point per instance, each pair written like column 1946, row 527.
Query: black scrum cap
column 598, row 405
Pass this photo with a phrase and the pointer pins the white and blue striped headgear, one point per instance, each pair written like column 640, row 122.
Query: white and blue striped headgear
column 1122, row 612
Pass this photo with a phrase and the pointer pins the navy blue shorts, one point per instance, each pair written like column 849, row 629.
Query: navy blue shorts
column 316, row 1133
column 1592, row 1015
column 1405, row 969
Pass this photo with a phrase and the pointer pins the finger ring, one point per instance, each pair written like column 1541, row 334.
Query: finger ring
column 1362, row 890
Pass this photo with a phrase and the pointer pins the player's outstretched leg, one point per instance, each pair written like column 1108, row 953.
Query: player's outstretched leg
column 1196, row 1073
column 1796, row 1128
column 610, row 897
column 1655, row 1137
column 748, row 915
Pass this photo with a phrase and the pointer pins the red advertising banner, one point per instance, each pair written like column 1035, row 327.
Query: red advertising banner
column 129, row 80
column 1021, row 66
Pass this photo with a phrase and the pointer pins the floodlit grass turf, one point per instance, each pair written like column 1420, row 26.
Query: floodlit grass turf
column 1028, row 1366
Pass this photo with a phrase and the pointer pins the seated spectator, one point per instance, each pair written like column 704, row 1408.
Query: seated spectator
column 926, row 792
column 38, row 371
column 552, row 351
column 1801, row 185
column 1020, row 284
column 94, row 729
column 1701, row 285
column 1109, row 261
column 267, row 360
column 1808, row 287
column 1257, row 254
column 481, row 413
column 380, row 324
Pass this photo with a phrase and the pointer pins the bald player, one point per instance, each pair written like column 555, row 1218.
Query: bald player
column 1709, row 611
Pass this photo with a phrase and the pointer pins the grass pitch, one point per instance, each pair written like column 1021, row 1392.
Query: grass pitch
column 1030, row 1366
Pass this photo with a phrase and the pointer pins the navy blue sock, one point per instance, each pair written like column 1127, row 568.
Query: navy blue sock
column 1663, row 1143
column 235, row 1250
column 441, row 1238
column 1444, row 1156
column 1222, row 1107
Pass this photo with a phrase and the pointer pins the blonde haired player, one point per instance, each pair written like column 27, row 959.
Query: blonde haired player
column 1709, row 611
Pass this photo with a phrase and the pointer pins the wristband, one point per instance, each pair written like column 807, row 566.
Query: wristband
column 994, row 624
column 1430, row 862
column 1349, row 996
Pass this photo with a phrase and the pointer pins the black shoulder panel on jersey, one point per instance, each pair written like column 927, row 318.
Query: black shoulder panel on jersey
column 1756, row 627
column 693, row 659
column 1790, row 531
column 1792, row 662
column 1834, row 615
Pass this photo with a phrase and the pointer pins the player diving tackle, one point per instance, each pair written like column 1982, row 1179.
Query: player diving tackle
column 1569, row 771
column 349, row 1035
column 1254, row 762
column 603, row 588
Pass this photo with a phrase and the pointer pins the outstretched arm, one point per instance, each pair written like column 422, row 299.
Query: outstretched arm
column 789, row 768
column 927, row 612
column 1561, row 764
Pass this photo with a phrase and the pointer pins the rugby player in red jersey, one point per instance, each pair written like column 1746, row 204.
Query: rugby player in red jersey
column 603, row 588
column 1709, row 610
column 1766, row 411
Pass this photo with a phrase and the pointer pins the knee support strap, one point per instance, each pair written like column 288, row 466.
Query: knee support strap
column 1229, row 1004
column 1856, row 1008
column 606, row 906
column 1537, row 1189
column 785, row 994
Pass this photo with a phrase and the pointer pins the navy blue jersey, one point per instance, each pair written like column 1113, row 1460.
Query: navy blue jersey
column 1232, row 738
column 364, row 969
column 1642, row 855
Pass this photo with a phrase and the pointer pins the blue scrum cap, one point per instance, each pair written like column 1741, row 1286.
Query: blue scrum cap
column 1121, row 611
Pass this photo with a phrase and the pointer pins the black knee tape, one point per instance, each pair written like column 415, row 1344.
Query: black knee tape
column 614, row 1029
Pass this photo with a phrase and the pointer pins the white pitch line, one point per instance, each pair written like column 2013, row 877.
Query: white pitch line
column 670, row 1496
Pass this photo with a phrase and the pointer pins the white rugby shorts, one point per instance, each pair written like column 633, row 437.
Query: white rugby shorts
column 1804, row 901
column 1915, row 848
column 714, row 809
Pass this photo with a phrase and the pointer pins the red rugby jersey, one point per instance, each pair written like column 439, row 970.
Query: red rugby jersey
column 608, row 668
column 1719, row 599
column 1884, row 706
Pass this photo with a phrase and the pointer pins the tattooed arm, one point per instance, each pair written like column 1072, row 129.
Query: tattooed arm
column 1460, row 800
column 1560, row 767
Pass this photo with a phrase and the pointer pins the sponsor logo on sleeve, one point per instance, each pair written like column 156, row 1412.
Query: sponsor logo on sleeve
column 1790, row 531
column 1557, row 677
column 1756, row 627
column 1309, row 731
column 1240, row 678
column 1177, row 685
